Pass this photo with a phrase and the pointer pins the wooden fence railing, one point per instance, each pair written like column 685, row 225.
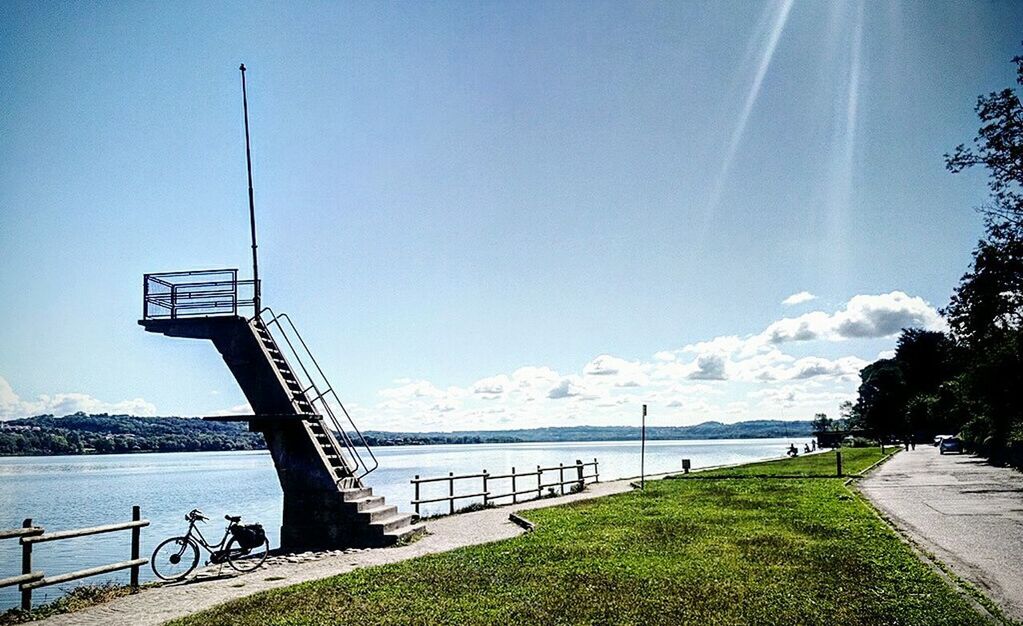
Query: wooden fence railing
column 577, row 476
column 29, row 535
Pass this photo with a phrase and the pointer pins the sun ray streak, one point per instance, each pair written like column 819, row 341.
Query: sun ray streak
column 840, row 193
column 767, row 54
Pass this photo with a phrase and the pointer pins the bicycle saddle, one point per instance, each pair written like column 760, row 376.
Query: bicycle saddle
column 233, row 518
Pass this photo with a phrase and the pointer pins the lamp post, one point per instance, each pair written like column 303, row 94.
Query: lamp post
column 642, row 452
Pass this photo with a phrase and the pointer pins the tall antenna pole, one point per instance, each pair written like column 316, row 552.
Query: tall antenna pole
column 252, row 203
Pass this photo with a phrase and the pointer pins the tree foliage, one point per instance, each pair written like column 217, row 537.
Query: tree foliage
column 998, row 147
column 969, row 381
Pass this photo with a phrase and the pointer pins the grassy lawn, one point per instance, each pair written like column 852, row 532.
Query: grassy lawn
column 854, row 460
column 765, row 551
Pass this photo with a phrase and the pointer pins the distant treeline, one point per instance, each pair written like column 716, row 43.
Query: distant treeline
column 113, row 434
column 754, row 429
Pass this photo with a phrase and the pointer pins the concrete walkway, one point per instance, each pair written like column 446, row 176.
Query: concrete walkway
column 966, row 512
column 160, row 604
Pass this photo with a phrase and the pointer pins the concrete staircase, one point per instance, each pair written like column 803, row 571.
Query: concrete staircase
column 326, row 504
column 380, row 524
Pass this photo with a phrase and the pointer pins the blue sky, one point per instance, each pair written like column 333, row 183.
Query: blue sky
column 492, row 214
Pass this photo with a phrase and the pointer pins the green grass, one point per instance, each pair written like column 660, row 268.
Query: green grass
column 767, row 551
column 823, row 465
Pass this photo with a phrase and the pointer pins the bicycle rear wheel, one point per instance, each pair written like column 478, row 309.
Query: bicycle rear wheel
column 175, row 558
column 244, row 560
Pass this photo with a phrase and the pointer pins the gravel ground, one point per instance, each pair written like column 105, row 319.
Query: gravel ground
column 966, row 512
column 208, row 588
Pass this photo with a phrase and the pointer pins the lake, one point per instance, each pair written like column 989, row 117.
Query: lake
column 63, row 492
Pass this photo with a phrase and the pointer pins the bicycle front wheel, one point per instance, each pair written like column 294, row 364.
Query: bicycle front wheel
column 244, row 560
column 175, row 558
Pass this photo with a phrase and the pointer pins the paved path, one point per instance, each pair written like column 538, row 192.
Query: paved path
column 966, row 512
column 158, row 605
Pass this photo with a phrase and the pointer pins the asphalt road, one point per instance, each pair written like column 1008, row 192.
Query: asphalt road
column 966, row 512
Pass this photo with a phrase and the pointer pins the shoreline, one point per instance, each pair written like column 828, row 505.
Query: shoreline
column 793, row 438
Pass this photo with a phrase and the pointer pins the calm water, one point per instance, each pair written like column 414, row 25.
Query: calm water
column 77, row 491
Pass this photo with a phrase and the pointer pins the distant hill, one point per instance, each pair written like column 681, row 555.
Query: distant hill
column 113, row 434
column 754, row 429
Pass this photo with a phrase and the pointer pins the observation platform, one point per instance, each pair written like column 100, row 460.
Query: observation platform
column 320, row 456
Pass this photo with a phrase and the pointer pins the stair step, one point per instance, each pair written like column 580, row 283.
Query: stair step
column 356, row 494
column 393, row 523
column 380, row 513
column 363, row 504
column 393, row 537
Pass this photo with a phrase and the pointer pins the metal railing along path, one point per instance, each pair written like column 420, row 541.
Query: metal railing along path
column 29, row 535
column 488, row 497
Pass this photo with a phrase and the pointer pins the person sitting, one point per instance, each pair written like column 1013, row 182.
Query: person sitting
column 806, row 448
column 792, row 450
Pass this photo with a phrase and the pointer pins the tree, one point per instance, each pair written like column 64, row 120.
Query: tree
column 882, row 398
column 986, row 311
column 998, row 147
column 821, row 423
column 927, row 359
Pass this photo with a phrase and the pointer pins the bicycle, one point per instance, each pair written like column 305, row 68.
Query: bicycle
column 176, row 557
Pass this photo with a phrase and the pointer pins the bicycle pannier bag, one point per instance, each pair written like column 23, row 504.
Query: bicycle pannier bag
column 249, row 536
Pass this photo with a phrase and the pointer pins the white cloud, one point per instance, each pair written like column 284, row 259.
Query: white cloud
column 238, row 409
column 412, row 390
column 492, row 387
column 565, row 389
column 12, row 406
column 727, row 378
column 799, row 298
column 604, row 365
column 864, row 317
column 709, row 367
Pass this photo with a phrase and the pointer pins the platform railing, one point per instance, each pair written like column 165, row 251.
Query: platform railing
column 197, row 293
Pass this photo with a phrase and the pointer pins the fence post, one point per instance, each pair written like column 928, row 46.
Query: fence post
column 596, row 474
column 136, row 536
column 539, row 482
column 26, row 568
column 561, row 477
column 484, row 488
column 451, row 492
column 515, row 489
column 579, row 472
column 416, row 481
column 838, row 461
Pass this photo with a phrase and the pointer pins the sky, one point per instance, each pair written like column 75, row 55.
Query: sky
column 492, row 214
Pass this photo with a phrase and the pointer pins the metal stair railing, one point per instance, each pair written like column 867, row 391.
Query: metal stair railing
column 320, row 394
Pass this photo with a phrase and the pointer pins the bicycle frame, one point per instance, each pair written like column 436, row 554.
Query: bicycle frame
column 214, row 549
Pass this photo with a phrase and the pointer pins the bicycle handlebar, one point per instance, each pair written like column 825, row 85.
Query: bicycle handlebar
column 196, row 515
